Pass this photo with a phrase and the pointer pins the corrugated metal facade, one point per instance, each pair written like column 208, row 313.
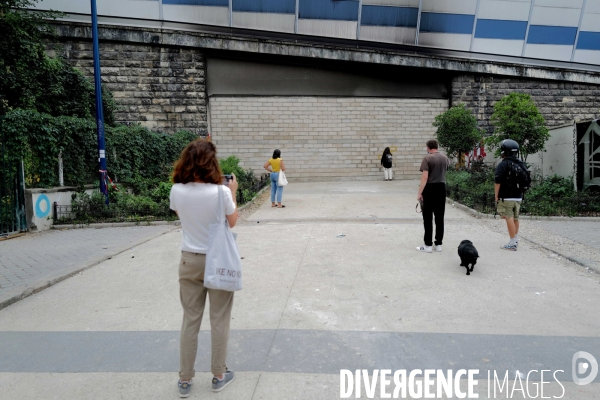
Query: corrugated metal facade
column 562, row 30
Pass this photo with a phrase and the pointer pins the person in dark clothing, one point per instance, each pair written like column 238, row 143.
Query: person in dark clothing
column 509, row 196
column 432, row 193
column 386, row 163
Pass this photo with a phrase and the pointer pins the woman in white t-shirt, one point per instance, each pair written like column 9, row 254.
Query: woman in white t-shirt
column 194, row 197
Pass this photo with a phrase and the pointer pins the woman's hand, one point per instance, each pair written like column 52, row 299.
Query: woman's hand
column 233, row 186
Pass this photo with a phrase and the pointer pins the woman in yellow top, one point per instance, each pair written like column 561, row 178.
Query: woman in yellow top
column 276, row 164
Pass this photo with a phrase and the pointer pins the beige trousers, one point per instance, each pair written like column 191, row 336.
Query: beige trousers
column 193, row 298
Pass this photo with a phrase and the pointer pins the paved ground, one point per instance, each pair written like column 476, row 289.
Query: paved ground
column 28, row 259
column 314, row 302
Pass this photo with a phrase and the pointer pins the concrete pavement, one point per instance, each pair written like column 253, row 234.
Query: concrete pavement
column 32, row 262
column 314, row 302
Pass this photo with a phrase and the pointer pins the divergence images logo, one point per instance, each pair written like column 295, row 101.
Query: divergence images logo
column 580, row 368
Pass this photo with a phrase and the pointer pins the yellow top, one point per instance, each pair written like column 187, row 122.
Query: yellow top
column 275, row 164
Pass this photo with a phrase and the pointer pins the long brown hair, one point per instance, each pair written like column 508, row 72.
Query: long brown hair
column 198, row 162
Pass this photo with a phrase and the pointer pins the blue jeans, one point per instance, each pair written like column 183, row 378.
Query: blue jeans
column 275, row 189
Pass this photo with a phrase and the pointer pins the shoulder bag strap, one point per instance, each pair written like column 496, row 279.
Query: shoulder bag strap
column 220, row 210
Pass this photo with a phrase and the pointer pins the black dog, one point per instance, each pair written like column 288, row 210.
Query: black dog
column 468, row 255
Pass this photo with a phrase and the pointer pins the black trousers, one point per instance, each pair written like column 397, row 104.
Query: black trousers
column 434, row 204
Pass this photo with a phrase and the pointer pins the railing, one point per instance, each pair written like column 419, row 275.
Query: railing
column 86, row 214
column 579, row 204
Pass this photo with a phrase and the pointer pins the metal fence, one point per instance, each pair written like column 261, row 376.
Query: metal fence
column 96, row 213
column 577, row 205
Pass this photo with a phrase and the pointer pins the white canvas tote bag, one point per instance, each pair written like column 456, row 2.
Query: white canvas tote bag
column 282, row 180
column 223, row 269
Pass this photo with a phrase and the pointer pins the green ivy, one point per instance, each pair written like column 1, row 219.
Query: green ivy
column 136, row 157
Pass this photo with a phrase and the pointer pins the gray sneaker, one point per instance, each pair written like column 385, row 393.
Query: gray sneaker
column 218, row 385
column 184, row 388
column 511, row 247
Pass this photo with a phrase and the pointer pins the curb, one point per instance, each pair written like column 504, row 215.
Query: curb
column 254, row 198
column 583, row 263
column 51, row 280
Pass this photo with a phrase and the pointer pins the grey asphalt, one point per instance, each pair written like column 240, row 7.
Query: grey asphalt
column 587, row 233
column 331, row 282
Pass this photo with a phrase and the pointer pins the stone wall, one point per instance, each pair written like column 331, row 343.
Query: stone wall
column 559, row 102
column 325, row 138
column 161, row 87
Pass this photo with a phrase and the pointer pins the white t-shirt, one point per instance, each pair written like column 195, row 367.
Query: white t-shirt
column 196, row 204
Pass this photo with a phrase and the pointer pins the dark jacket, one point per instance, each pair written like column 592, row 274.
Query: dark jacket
column 385, row 162
column 501, row 175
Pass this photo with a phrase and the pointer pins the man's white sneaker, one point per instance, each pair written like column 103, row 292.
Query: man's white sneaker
column 425, row 249
column 438, row 248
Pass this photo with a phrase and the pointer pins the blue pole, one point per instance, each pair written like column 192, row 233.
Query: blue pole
column 99, row 110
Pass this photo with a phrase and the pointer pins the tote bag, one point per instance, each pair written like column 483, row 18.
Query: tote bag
column 282, row 180
column 223, row 269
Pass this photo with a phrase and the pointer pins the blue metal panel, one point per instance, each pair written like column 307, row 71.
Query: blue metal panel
column 561, row 35
column 447, row 23
column 341, row 10
column 389, row 16
column 500, row 29
column 222, row 3
column 589, row 41
column 265, row 6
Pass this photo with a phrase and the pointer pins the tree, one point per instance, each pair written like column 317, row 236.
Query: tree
column 517, row 117
column 29, row 79
column 457, row 131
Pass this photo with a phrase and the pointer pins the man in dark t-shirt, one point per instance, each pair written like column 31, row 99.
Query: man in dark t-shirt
column 432, row 193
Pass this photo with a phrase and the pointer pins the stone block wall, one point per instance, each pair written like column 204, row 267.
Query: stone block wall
column 559, row 102
column 162, row 88
column 323, row 138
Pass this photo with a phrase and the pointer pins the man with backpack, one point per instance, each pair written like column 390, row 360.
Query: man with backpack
column 511, row 181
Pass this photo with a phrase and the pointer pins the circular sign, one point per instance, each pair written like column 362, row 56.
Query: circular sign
column 38, row 206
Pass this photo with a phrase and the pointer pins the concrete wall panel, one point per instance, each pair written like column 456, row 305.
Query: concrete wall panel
column 386, row 34
column 549, row 52
column 499, row 46
column 587, row 56
column 445, row 40
column 339, row 29
column 264, row 21
column 450, row 6
column 505, row 10
column 197, row 14
column 551, row 16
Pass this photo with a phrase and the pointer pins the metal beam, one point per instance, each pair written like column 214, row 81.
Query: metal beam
column 359, row 18
column 230, row 12
column 578, row 29
column 161, row 15
column 474, row 25
column 528, row 25
column 418, row 23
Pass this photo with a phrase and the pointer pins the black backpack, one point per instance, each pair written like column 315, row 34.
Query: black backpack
column 518, row 177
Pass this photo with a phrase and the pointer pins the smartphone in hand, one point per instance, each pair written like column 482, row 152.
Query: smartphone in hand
column 227, row 179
